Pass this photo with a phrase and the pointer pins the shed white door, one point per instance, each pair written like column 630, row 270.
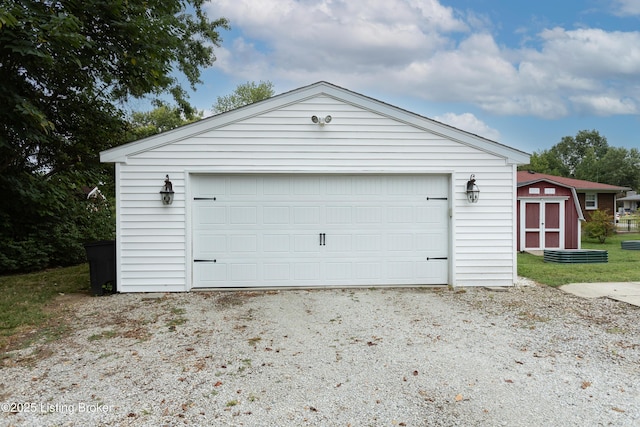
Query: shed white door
column 543, row 222
column 319, row 230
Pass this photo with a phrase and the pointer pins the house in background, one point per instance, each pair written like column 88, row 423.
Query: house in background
column 319, row 186
column 552, row 208
column 630, row 202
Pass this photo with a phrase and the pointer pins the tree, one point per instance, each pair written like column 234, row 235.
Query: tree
column 160, row 119
column 588, row 156
column 620, row 166
column 67, row 68
column 572, row 150
column 244, row 94
column 66, row 65
column 545, row 162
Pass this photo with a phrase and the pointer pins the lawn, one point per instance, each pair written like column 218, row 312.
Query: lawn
column 623, row 265
column 24, row 299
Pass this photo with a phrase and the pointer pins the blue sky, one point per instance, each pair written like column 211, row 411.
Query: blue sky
column 523, row 73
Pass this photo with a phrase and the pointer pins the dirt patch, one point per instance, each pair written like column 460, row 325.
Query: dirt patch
column 60, row 316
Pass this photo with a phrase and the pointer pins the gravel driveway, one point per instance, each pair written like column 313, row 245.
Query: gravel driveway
column 529, row 356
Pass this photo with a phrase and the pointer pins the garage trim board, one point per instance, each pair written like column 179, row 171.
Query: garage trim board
column 307, row 230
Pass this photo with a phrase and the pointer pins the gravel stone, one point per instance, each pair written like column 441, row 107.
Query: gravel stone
column 523, row 356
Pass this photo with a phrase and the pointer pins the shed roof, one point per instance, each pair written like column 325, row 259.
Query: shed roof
column 121, row 153
column 529, row 177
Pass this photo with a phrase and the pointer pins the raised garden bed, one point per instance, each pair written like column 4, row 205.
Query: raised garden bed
column 576, row 256
column 633, row 245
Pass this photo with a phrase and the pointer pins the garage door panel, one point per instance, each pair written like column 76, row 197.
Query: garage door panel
column 400, row 270
column 306, row 272
column 339, row 186
column 400, row 242
column 337, row 243
column 367, row 271
column 400, row 215
column 276, row 272
column 243, row 215
column 306, row 243
column 209, row 244
column 368, row 243
column 306, row 215
column 276, row 243
column 339, row 215
column 368, row 186
column 243, row 186
column 276, row 215
column 244, row 272
column 209, row 274
column 310, row 230
column 368, row 215
column 243, row 244
column 306, row 186
column 276, row 186
column 431, row 243
column 210, row 215
column 432, row 270
column 339, row 271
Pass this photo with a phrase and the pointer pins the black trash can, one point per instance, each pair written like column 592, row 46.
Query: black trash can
column 102, row 265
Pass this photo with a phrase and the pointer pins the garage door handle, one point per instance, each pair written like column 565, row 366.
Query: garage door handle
column 322, row 239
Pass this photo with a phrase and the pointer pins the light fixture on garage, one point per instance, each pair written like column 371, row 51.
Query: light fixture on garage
column 167, row 192
column 473, row 192
column 321, row 121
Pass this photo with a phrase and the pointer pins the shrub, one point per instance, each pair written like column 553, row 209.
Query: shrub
column 600, row 225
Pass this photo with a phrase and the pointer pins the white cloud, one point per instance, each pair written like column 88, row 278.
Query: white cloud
column 626, row 7
column 470, row 123
column 605, row 105
column 423, row 49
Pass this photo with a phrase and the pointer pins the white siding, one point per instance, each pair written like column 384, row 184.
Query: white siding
column 153, row 240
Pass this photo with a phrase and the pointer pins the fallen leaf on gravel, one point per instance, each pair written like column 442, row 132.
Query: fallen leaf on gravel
column 218, row 384
column 415, row 373
column 585, row 384
column 617, row 409
column 508, row 381
column 459, row 398
column 519, row 362
column 370, row 343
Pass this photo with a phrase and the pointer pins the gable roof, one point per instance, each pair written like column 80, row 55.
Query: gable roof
column 120, row 153
column 530, row 177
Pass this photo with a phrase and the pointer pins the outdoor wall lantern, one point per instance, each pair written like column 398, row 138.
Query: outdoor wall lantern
column 167, row 192
column 321, row 121
column 473, row 192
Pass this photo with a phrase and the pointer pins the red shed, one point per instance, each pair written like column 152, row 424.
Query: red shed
column 552, row 208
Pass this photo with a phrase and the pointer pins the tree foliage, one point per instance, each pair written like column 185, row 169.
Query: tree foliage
column 588, row 156
column 244, row 94
column 161, row 119
column 67, row 68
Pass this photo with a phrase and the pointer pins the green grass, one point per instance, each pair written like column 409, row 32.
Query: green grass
column 23, row 298
column 623, row 265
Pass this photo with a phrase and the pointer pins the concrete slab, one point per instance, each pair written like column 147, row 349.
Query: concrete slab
column 628, row 292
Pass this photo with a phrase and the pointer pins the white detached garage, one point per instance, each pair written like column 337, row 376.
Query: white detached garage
column 316, row 187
